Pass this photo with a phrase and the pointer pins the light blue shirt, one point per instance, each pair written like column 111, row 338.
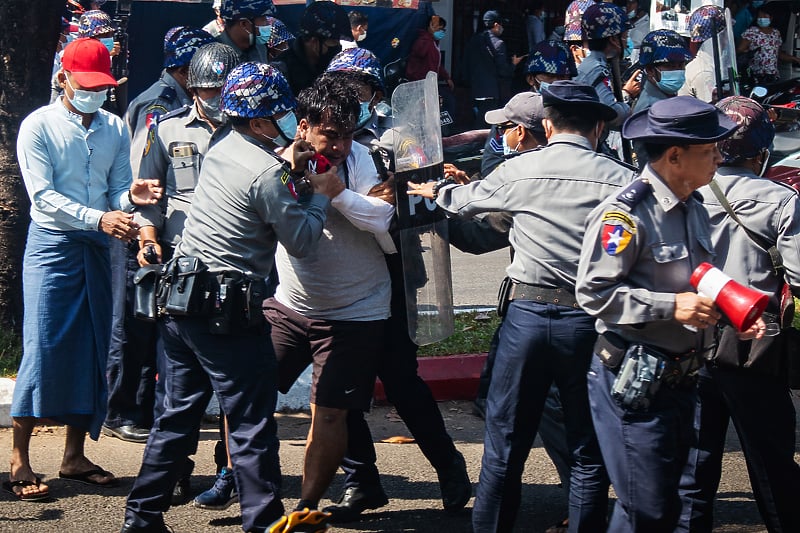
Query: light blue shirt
column 74, row 175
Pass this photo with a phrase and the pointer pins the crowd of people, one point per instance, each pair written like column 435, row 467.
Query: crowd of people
column 204, row 243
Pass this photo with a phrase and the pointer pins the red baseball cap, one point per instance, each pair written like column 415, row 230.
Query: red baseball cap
column 89, row 63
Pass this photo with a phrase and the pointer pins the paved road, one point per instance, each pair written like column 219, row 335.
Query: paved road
column 408, row 479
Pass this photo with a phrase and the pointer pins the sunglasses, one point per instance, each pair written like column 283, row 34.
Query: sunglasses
column 502, row 128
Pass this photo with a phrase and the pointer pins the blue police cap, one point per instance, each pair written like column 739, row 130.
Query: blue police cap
column 573, row 30
column 679, row 120
column 551, row 57
column 574, row 96
column 246, row 9
column 94, row 23
column 663, row 46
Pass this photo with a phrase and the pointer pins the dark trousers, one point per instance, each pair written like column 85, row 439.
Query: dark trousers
column 644, row 452
column 404, row 388
column 241, row 368
column 539, row 344
column 764, row 417
column 131, row 366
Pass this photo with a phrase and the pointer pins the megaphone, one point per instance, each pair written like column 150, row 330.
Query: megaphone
column 742, row 305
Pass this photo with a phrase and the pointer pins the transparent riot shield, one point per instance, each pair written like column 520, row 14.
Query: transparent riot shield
column 424, row 242
column 727, row 48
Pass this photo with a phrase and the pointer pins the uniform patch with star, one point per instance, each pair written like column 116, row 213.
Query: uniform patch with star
column 618, row 230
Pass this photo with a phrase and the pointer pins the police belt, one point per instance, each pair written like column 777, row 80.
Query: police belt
column 545, row 295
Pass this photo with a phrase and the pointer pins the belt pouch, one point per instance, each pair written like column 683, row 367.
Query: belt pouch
column 610, row 348
column 146, row 289
column 255, row 293
column 638, row 379
column 228, row 304
column 502, row 296
column 186, row 293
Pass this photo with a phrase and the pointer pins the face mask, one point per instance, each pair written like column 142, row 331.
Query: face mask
column 631, row 15
column 671, row 81
column 628, row 47
column 439, row 34
column 287, row 129
column 362, row 37
column 211, row 109
column 250, row 37
column 542, row 84
column 364, row 115
column 108, row 42
column 263, row 33
column 763, row 22
column 507, row 150
column 86, row 102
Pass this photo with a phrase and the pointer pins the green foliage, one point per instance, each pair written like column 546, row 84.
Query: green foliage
column 10, row 353
column 473, row 333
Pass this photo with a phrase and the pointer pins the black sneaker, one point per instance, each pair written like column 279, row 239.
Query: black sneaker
column 455, row 484
column 355, row 501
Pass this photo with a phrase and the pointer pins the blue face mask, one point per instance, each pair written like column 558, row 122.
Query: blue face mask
column 263, row 34
column 364, row 115
column 287, row 129
column 628, row 47
column 671, row 81
column 108, row 42
column 763, row 22
column 543, row 85
column 439, row 34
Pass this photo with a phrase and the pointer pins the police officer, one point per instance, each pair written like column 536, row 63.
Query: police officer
column 322, row 26
column 639, row 251
column 573, row 30
column 247, row 28
column 545, row 337
column 244, row 204
column 130, row 369
column 745, row 380
column 168, row 92
column 174, row 154
column 397, row 367
column 604, row 28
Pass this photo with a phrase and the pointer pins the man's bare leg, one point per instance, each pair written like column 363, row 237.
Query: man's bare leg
column 20, row 459
column 325, row 449
column 75, row 460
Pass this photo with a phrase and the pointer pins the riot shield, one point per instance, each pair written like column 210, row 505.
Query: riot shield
column 424, row 244
column 727, row 48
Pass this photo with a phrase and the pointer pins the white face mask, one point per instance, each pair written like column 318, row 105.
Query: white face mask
column 86, row 102
column 362, row 37
column 765, row 163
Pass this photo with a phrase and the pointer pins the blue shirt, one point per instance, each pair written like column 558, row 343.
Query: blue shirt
column 74, row 175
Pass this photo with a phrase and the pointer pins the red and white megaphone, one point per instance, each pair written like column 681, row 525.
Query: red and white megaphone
column 742, row 305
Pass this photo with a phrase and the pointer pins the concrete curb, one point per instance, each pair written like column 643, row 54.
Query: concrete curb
column 450, row 377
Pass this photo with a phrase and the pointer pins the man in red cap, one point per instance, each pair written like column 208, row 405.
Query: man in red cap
column 74, row 159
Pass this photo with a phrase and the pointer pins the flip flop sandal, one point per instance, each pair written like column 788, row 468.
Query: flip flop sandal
column 86, row 477
column 8, row 486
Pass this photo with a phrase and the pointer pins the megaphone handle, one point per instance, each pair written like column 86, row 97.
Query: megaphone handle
column 693, row 329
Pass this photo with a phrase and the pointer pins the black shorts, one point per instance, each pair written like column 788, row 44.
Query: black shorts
column 345, row 355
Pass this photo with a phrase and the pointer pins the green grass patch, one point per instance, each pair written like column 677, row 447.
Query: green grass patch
column 10, row 353
column 473, row 333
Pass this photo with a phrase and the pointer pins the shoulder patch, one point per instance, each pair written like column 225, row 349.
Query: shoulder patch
column 618, row 230
column 151, row 138
column 174, row 113
column 153, row 112
column 634, row 192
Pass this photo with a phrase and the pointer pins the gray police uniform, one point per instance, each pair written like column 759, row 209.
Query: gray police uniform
column 746, row 380
column 594, row 71
column 544, row 337
column 243, row 205
column 163, row 96
column 640, row 249
column 257, row 52
column 174, row 154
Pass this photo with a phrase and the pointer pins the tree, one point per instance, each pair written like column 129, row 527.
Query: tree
column 29, row 31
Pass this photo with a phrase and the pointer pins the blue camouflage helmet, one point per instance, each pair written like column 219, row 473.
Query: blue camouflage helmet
column 279, row 34
column 358, row 61
column 551, row 57
column 701, row 23
column 256, row 90
column 326, row 20
column 755, row 134
column 663, row 46
column 180, row 44
column 604, row 20
column 246, row 9
column 94, row 23
column 572, row 19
